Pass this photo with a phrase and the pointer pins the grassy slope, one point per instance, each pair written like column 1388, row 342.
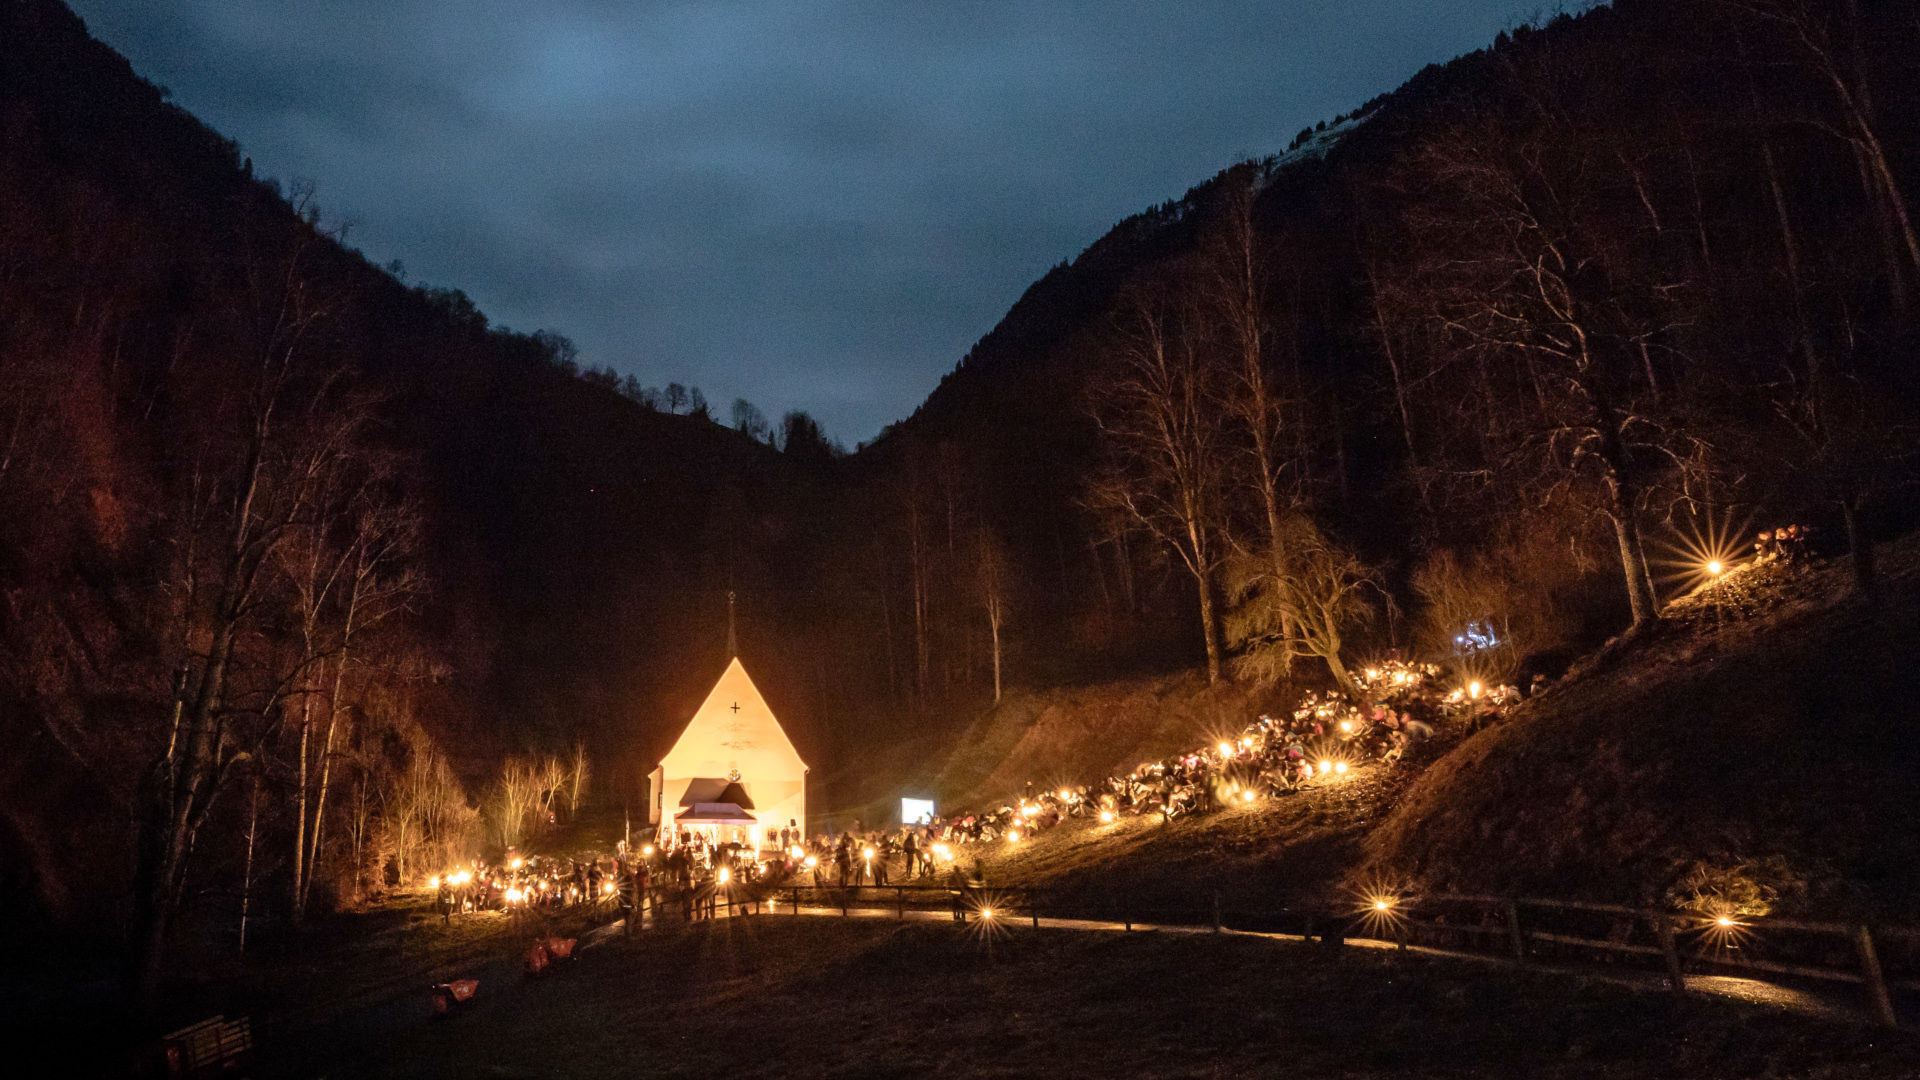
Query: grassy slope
column 816, row 997
column 1075, row 734
column 1286, row 851
column 1767, row 722
column 1784, row 738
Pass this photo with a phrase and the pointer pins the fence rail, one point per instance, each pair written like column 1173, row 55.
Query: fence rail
column 1519, row 928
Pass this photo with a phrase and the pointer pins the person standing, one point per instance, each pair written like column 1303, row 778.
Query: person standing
column 912, row 849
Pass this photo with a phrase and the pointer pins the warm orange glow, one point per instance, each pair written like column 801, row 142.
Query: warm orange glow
column 1346, row 725
column 795, row 851
column 1226, row 749
column 1065, row 795
column 726, row 875
column 986, row 913
column 867, row 854
column 433, row 882
column 460, row 878
column 1030, row 811
column 608, row 887
column 1725, row 920
column 647, row 851
column 812, row 861
column 514, row 896
column 1340, row 767
column 1382, row 905
column 514, row 864
column 1716, row 567
column 1247, row 796
column 1106, row 817
column 1326, row 765
column 1473, row 689
column 1013, row 836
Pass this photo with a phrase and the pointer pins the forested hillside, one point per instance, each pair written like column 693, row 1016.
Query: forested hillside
column 295, row 552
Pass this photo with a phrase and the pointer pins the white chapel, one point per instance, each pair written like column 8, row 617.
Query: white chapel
column 733, row 775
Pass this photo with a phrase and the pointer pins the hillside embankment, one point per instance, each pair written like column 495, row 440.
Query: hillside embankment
column 1759, row 743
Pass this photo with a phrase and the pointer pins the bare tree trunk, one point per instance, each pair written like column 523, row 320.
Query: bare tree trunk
column 1866, row 578
column 360, row 819
column 922, row 644
column 993, row 620
column 300, row 808
column 1633, row 556
column 326, row 772
column 1100, row 575
column 1209, row 609
column 893, row 663
column 246, row 875
column 1128, row 594
column 1399, row 381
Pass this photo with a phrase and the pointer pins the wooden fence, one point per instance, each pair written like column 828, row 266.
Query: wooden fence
column 1523, row 930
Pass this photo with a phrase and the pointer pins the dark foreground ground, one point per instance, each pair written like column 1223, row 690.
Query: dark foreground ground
column 812, row 997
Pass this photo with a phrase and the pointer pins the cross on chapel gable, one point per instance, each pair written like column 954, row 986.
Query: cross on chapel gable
column 736, row 706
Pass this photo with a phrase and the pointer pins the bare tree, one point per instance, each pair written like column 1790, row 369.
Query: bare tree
column 424, row 807
column 1304, row 607
column 257, row 470
column 1236, row 261
column 992, row 568
column 1161, row 419
column 1534, row 244
column 1830, row 39
column 578, row 771
column 516, row 797
column 382, row 579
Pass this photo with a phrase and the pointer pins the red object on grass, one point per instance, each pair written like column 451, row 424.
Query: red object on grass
column 560, row 947
column 448, row 994
column 536, row 959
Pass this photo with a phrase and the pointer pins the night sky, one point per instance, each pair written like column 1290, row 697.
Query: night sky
column 810, row 205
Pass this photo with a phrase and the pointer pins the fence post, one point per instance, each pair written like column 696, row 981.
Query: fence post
column 1033, row 910
column 843, row 901
column 1216, row 911
column 1519, row 936
column 900, row 901
column 1876, row 979
column 1669, row 948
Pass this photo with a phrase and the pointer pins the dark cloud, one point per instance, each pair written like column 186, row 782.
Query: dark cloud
column 812, row 205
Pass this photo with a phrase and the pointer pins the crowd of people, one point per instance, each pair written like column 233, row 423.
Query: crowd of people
column 520, row 882
column 1790, row 543
column 1324, row 740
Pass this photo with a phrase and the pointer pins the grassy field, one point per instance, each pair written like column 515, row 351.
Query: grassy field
column 812, row 997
